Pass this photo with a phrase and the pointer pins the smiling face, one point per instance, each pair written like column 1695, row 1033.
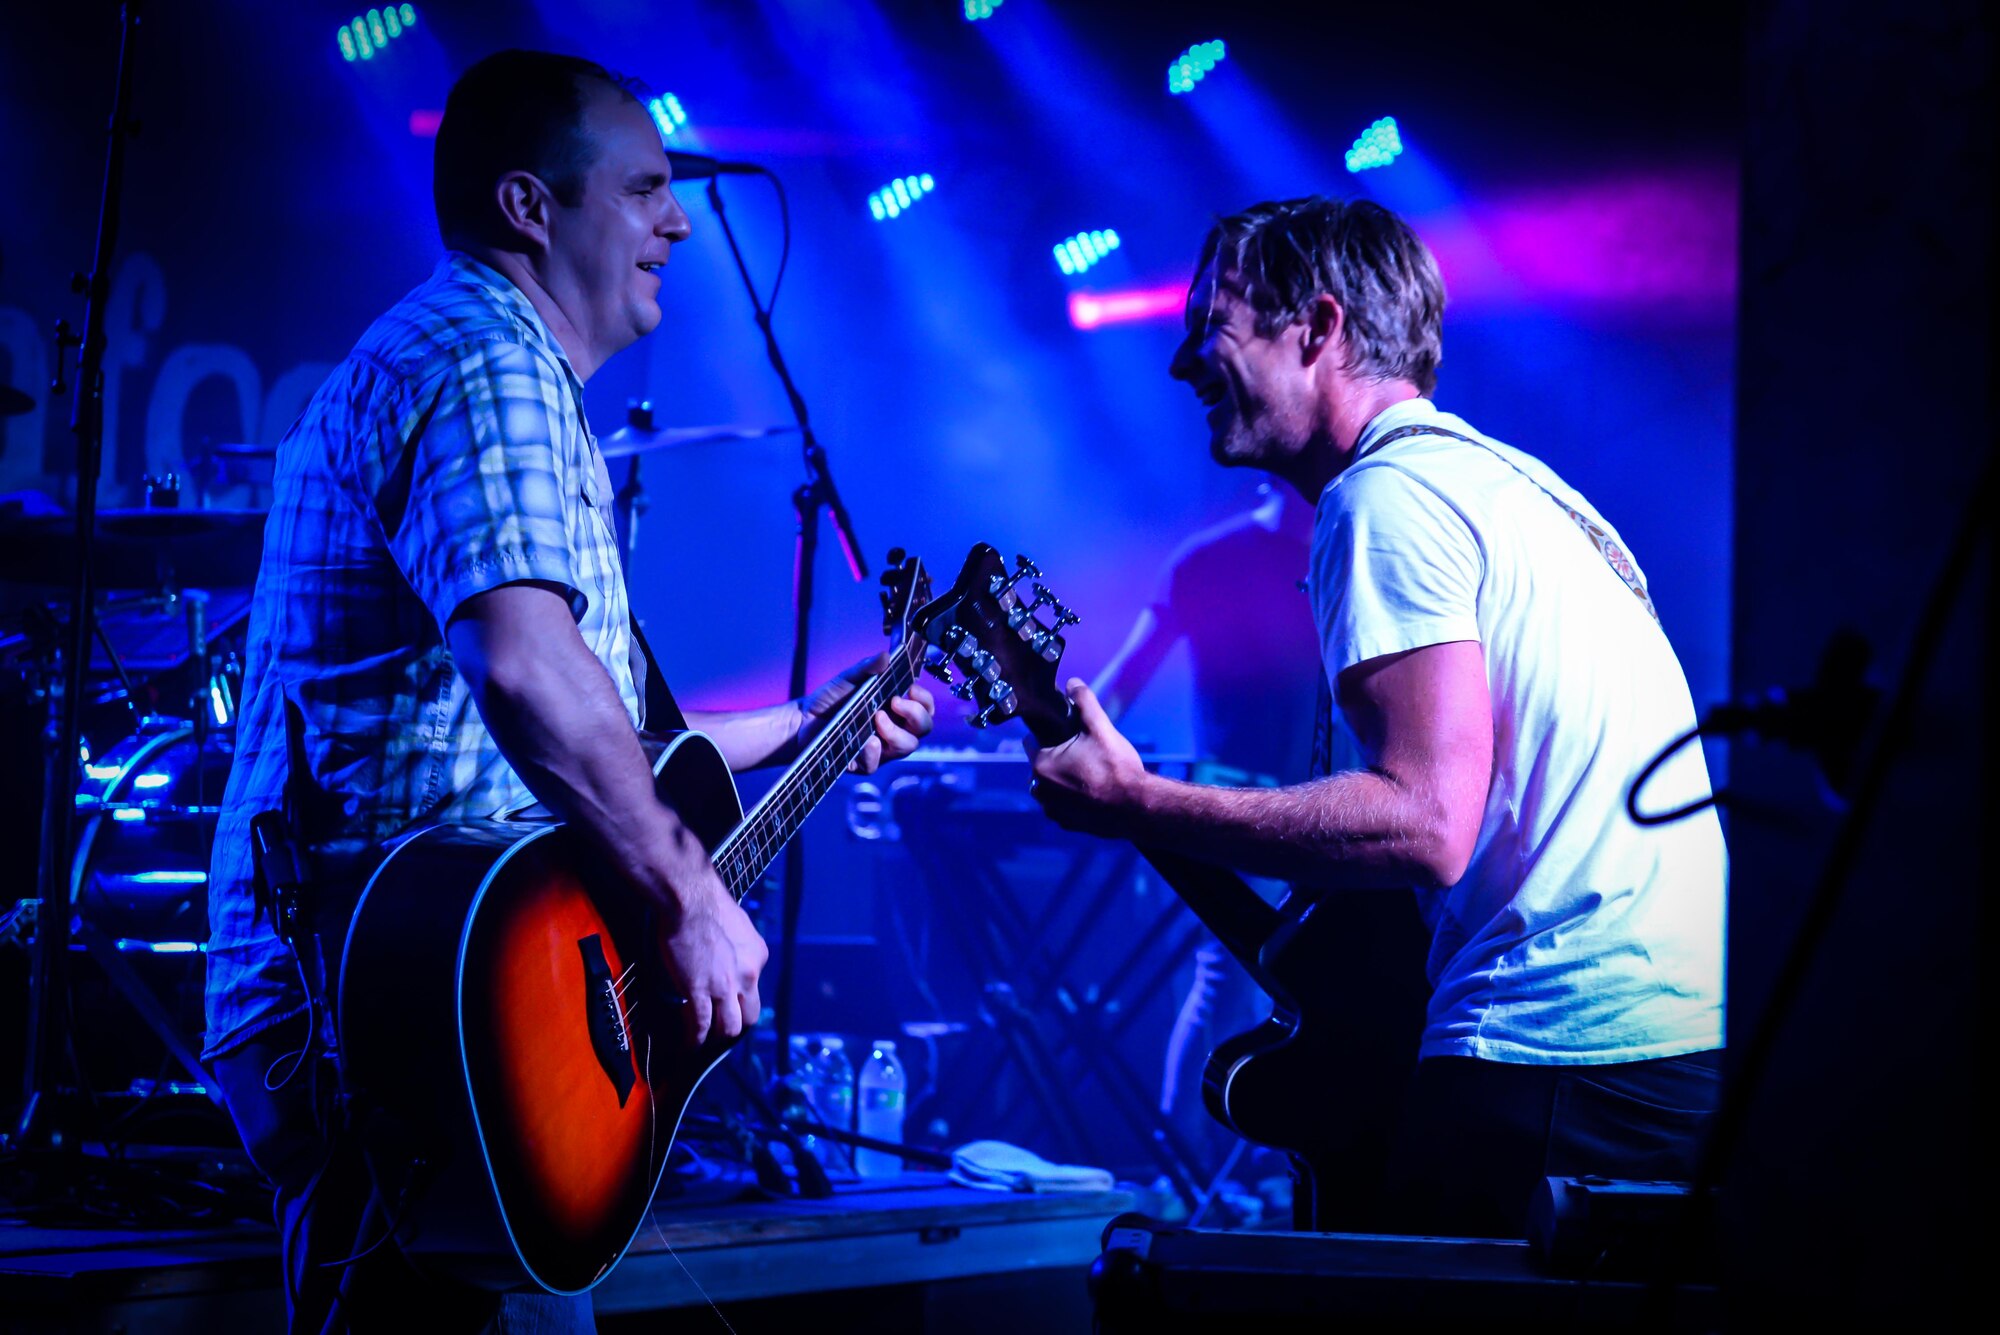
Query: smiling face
column 604, row 252
column 1258, row 388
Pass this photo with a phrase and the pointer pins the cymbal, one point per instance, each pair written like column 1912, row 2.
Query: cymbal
column 625, row 441
column 137, row 549
column 629, row 440
column 13, row 402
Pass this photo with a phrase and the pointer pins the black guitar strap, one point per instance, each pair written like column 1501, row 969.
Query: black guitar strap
column 662, row 713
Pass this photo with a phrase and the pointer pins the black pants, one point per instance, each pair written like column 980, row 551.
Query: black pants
column 323, row 1212
column 1478, row 1136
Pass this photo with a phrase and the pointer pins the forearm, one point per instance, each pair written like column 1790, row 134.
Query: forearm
column 752, row 738
column 559, row 721
column 1354, row 830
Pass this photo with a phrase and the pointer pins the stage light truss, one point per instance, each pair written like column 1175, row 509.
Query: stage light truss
column 1077, row 253
column 1378, row 146
column 361, row 37
column 897, row 196
column 1191, row 66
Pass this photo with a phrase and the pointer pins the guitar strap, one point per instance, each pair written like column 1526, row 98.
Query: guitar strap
column 1607, row 547
column 662, row 712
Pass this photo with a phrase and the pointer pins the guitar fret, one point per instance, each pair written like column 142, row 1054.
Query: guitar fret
column 743, row 856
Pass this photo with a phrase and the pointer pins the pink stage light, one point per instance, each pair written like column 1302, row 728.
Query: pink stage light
column 1088, row 310
column 424, row 124
column 1657, row 244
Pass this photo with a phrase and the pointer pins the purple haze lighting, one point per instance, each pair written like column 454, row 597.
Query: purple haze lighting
column 1663, row 240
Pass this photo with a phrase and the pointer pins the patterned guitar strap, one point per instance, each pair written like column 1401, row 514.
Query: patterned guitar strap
column 1607, row 547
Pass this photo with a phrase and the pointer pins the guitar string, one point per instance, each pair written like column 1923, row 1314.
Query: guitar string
column 796, row 795
column 748, row 851
column 819, row 771
column 849, row 725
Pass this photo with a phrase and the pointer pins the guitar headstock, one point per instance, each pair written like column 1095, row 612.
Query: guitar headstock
column 995, row 649
column 906, row 588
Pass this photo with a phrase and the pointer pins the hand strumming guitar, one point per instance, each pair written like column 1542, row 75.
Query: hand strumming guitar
column 712, row 951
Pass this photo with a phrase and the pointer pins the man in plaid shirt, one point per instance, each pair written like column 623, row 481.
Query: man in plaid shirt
column 442, row 613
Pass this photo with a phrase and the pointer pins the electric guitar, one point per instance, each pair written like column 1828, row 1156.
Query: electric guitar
column 510, row 1040
column 1346, row 986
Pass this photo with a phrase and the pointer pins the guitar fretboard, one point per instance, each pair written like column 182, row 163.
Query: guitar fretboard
column 742, row 858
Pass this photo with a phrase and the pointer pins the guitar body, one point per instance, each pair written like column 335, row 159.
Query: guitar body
column 517, row 1089
column 1324, row 1076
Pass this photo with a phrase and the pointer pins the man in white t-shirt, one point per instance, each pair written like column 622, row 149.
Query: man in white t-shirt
column 1494, row 654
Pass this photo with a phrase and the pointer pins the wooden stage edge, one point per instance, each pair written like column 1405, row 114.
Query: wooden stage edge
column 913, row 1230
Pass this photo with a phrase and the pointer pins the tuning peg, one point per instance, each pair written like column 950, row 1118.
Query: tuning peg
column 993, row 713
column 1065, row 617
column 938, row 670
column 1023, row 566
column 1049, row 645
column 963, row 690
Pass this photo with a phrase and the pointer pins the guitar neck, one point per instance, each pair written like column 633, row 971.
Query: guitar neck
column 1224, row 901
column 742, row 858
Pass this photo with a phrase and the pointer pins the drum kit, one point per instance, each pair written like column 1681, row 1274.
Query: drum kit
column 158, row 710
column 157, row 706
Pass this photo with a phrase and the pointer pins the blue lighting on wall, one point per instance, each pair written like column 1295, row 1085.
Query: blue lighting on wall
column 1191, row 66
column 361, row 37
column 976, row 10
column 1077, row 253
column 668, row 114
column 893, row 198
column 1378, row 146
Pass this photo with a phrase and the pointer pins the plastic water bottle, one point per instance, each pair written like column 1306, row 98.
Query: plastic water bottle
column 795, row 1095
column 830, row 1091
column 881, row 1112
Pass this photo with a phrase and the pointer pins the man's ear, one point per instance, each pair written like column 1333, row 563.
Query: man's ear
column 1325, row 325
column 525, row 208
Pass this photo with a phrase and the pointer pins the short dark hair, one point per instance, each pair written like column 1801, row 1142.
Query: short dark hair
column 513, row 111
column 1286, row 253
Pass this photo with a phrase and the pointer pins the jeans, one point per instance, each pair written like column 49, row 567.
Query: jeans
column 1478, row 1137
column 325, row 1211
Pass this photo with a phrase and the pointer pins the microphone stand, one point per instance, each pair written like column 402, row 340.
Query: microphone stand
column 49, row 962
column 816, row 493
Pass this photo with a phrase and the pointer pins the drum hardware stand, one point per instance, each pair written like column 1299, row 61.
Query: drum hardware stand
column 815, row 494
column 48, row 966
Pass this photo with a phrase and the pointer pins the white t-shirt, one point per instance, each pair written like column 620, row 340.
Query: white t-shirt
column 1575, row 936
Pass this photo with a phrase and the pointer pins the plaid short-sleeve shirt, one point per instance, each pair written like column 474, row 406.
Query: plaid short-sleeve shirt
column 446, row 456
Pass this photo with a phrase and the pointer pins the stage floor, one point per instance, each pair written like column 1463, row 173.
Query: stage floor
column 895, row 1251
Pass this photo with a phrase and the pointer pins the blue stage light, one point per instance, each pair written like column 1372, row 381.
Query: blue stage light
column 893, row 198
column 667, row 113
column 1077, row 253
column 362, row 36
column 976, row 10
column 1378, row 146
column 1191, row 66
